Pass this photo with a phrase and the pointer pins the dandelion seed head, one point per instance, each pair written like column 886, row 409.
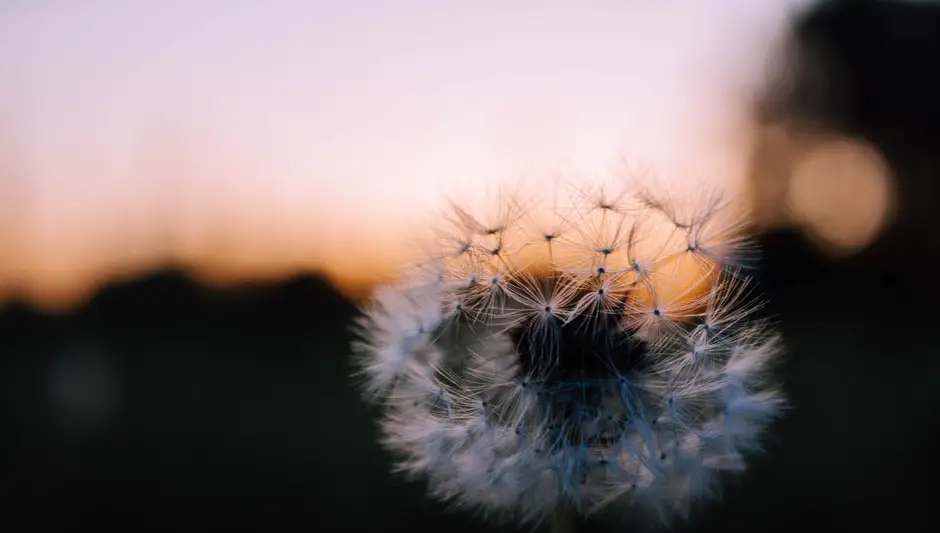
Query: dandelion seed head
column 601, row 354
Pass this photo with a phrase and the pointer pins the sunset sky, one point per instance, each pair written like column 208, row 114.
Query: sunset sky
column 254, row 139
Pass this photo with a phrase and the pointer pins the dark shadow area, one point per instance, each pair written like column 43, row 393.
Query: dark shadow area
column 162, row 403
column 165, row 404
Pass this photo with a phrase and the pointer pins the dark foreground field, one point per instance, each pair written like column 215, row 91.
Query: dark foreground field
column 163, row 403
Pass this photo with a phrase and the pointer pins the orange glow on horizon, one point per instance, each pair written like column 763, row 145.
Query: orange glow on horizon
column 354, row 263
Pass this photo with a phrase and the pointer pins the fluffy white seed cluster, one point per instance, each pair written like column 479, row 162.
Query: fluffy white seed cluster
column 597, row 355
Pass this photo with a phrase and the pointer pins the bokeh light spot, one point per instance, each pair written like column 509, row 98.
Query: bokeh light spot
column 842, row 194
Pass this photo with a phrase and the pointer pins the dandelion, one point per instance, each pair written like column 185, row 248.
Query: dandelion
column 606, row 357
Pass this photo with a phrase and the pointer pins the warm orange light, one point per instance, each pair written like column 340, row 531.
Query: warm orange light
column 841, row 192
column 679, row 287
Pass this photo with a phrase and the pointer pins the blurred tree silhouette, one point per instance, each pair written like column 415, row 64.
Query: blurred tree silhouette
column 162, row 401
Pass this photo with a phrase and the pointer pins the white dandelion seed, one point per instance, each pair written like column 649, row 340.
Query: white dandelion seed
column 604, row 372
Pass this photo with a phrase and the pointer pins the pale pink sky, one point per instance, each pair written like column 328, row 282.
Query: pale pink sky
column 253, row 138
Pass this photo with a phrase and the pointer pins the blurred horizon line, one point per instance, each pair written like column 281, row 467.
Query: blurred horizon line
column 353, row 290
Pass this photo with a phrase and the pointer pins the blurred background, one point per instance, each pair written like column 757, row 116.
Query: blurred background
column 195, row 195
